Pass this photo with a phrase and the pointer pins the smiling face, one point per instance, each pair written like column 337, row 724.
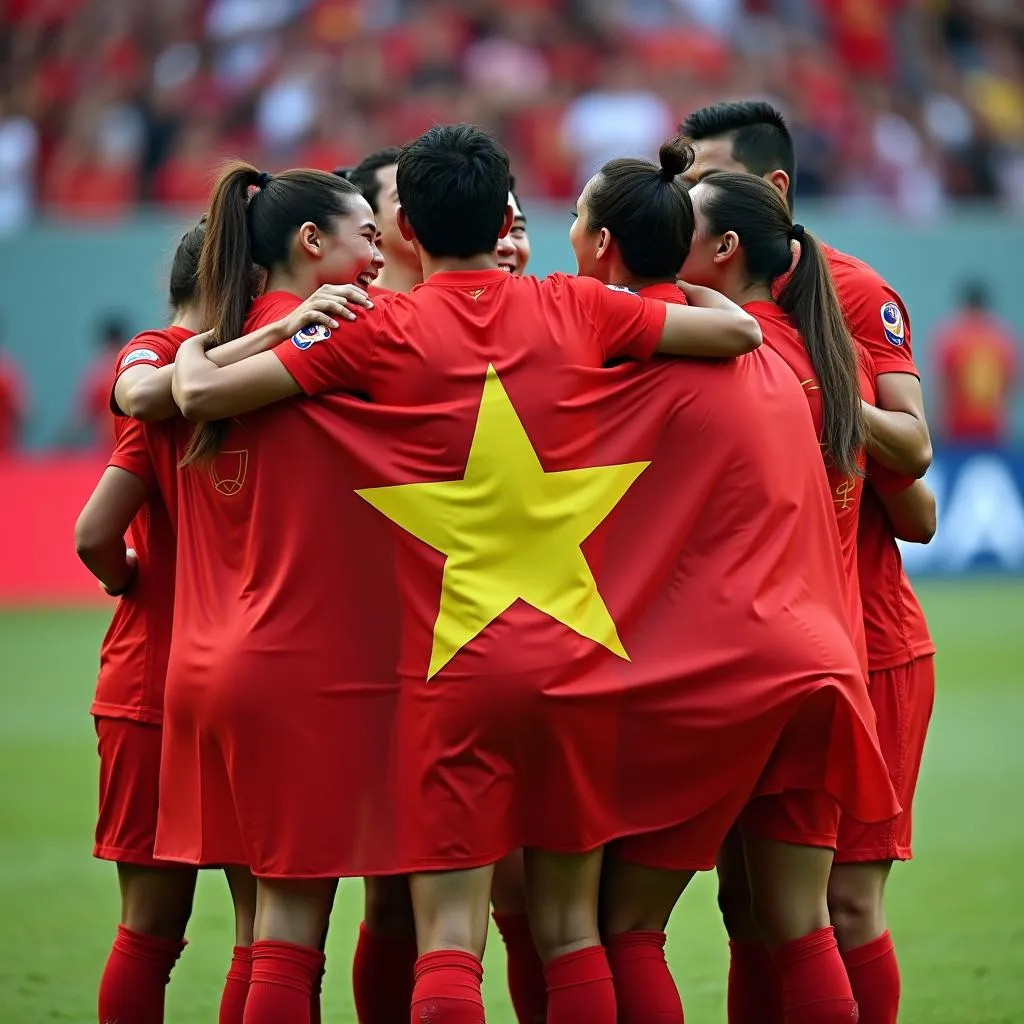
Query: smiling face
column 514, row 248
column 349, row 253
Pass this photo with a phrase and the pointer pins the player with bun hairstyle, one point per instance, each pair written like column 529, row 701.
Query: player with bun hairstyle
column 634, row 230
column 753, row 137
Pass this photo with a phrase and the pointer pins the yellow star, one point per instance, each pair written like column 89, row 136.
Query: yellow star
column 510, row 532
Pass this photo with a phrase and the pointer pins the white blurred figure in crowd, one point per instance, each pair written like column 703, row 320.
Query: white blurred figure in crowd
column 19, row 148
column 621, row 117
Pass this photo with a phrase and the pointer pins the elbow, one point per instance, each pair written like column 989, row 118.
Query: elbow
column 922, row 458
column 927, row 527
column 89, row 539
column 193, row 400
column 142, row 406
column 749, row 334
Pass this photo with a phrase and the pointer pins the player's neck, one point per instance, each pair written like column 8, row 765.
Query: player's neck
column 449, row 264
column 301, row 284
column 399, row 277
column 748, row 291
column 190, row 318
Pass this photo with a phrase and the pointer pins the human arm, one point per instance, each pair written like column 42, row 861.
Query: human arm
column 102, row 524
column 897, row 429
column 334, row 360
column 909, row 503
column 709, row 325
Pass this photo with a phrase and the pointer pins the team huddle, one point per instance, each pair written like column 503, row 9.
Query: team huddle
column 513, row 597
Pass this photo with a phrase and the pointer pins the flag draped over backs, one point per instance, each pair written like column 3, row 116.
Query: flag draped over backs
column 612, row 587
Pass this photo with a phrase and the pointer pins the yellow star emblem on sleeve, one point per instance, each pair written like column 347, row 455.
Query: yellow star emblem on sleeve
column 510, row 531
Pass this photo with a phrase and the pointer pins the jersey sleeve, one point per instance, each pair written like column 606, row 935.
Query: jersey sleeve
column 878, row 320
column 321, row 359
column 624, row 323
column 147, row 349
column 131, row 453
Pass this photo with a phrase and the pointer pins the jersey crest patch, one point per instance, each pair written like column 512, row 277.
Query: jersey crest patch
column 139, row 355
column 892, row 324
column 310, row 335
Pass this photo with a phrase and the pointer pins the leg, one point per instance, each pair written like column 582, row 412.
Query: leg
column 315, row 1016
column 155, row 907
column 753, row 992
column 451, row 930
column 636, row 903
column 789, row 884
column 385, row 959
column 236, row 986
column 291, row 915
column 526, row 983
column 855, row 899
column 562, row 896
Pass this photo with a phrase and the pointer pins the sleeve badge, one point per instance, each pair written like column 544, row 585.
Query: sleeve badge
column 310, row 335
column 139, row 355
column 892, row 324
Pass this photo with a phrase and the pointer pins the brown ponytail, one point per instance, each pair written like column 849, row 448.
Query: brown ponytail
column 748, row 205
column 809, row 297
column 243, row 233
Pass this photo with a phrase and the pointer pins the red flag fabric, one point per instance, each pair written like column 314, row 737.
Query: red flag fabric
column 515, row 599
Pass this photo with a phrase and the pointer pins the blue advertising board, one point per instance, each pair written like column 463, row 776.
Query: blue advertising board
column 980, row 497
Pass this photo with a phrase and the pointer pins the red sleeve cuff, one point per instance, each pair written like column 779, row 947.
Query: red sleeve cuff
column 138, row 465
column 647, row 344
column 894, row 366
column 299, row 366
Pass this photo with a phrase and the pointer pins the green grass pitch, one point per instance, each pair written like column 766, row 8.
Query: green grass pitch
column 957, row 912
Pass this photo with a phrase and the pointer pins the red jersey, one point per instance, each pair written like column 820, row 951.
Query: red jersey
column 615, row 556
column 894, row 624
column 781, row 335
column 133, row 656
column 977, row 357
column 12, row 405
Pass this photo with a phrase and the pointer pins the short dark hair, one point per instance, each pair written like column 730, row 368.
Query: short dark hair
column 364, row 174
column 761, row 139
column 184, row 284
column 974, row 294
column 647, row 210
column 453, row 183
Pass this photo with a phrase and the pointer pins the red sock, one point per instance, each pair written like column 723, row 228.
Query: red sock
column 580, row 988
column 314, row 997
column 875, row 979
column 644, row 989
column 447, row 989
column 754, row 993
column 526, row 983
column 236, row 986
column 281, row 986
column 135, row 979
column 815, row 988
column 382, row 977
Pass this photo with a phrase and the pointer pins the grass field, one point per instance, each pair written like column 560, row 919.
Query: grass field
column 957, row 912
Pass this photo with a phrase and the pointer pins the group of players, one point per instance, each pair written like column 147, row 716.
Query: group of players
column 539, row 595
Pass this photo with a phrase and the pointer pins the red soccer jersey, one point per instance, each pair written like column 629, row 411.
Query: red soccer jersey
column 894, row 624
column 977, row 357
column 781, row 335
column 133, row 656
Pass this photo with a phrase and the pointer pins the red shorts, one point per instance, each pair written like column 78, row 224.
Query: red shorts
column 774, row 810
column 129, row 790
column 902, row 698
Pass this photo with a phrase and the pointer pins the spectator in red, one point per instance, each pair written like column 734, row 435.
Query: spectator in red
column 12, row 405
column 93, row 426
column 977, row 356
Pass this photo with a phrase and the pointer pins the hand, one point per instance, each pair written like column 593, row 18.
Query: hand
column 131, row 561
column 698, row 295
column 325, row 306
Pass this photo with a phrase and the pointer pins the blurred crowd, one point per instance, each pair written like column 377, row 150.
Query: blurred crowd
column 903, row 104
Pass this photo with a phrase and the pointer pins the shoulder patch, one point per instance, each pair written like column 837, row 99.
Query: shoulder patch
column 310, row 335
column 892, row 324
column 620, row 288
column 139, row 355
